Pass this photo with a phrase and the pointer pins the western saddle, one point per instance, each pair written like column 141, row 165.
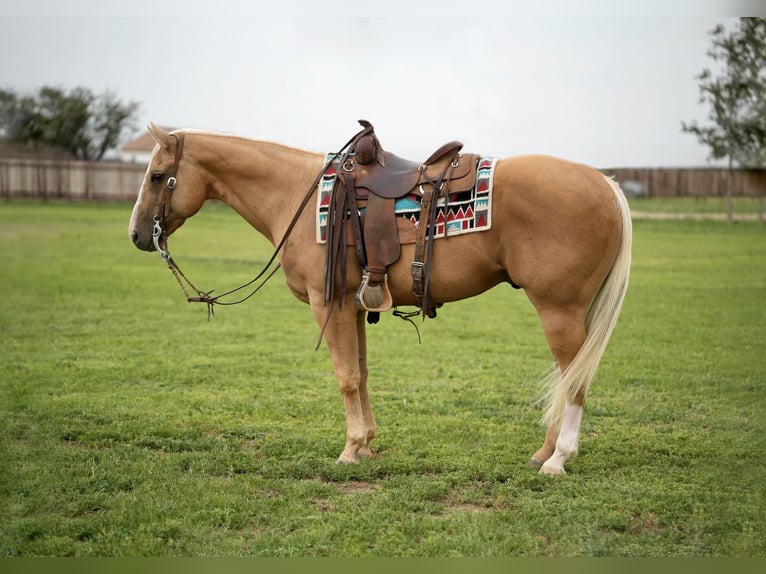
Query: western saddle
column 368, row 183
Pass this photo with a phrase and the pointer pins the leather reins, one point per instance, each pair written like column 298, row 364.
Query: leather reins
column 159, row 233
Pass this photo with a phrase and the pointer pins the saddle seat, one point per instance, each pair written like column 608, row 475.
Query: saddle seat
column 394, row 177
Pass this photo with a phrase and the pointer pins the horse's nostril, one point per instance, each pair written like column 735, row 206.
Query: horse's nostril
column 134, row 237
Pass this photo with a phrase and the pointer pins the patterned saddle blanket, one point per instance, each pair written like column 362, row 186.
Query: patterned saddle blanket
column 458, row 213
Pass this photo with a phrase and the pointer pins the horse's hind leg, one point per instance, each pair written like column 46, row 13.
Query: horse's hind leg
column 549, row 446
column 565, row 331
column 561, row 441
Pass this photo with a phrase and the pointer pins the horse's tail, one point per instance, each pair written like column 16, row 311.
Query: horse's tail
column 599, row 324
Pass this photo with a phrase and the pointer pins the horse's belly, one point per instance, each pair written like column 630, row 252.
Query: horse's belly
column 463, row 267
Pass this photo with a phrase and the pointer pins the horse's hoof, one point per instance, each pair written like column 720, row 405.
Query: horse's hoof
column 534, row 463
column 342, row 460
column 365, row 453
column 552, row 470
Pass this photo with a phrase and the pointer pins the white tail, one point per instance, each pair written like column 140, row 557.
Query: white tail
column 599, row 324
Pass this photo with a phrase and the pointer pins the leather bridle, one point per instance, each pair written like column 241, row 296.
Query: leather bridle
column 162, row 206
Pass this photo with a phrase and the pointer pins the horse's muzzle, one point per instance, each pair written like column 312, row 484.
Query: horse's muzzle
column 144, row 243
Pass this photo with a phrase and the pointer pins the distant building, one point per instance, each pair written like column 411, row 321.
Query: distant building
column 140, row 149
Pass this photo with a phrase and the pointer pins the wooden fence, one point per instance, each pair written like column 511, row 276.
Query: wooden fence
column 66, row 179
column 692, row 182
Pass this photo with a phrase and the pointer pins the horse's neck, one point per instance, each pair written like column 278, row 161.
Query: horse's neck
column 262, row 181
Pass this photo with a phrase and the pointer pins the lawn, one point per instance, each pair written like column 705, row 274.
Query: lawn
column 133, row 426
column 749, row 206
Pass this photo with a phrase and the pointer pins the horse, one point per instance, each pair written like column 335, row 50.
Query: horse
column 561, row 232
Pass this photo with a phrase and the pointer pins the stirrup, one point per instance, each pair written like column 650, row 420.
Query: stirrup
column 375, row 298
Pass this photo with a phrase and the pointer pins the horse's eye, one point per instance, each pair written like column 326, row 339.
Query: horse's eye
column 157, row 177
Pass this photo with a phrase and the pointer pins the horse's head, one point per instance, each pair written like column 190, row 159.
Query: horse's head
column 172, row 191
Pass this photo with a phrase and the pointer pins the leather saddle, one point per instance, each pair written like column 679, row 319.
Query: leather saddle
column 393, row 177
column 369, row 182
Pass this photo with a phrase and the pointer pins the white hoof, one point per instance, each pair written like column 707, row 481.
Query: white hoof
column 552, row 470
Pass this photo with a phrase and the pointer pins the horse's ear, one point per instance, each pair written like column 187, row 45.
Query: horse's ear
column 162, row 137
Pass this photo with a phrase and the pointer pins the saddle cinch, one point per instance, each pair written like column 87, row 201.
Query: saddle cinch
column 369, row 182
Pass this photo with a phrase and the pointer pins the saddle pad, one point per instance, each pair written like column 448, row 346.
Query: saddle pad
column 463, row 213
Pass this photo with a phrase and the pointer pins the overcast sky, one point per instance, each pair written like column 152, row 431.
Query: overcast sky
column 602, row 83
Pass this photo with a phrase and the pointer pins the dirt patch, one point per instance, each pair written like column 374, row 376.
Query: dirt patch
column 324, row 505
column 648, row 523
column 346, row 488
column 474, row 508
column 456, row 501
column 357, row 487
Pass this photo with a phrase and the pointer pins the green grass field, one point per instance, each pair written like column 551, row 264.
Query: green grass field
column 748, row 206
column 133, row 426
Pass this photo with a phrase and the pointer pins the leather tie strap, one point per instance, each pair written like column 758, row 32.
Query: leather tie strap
column 424, row 242
column 355, row 216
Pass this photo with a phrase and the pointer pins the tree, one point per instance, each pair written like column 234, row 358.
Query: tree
column 82, row 123
column 737, row 97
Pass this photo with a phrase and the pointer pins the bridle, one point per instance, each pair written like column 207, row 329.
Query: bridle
column 160, row 237
column 162, row 205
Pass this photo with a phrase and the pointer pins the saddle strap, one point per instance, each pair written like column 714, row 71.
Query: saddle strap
column 336, row 247
column 354, row 214
column 417, row 269
column 424, row 241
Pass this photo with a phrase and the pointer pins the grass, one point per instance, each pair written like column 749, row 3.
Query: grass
column 132, row 426
column 696, row 205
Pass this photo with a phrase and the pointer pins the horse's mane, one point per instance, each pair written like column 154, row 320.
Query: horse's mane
column 234, row 136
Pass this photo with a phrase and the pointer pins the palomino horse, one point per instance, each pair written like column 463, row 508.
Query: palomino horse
column 560, row 231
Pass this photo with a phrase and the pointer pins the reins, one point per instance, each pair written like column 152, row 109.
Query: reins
column 159, row 234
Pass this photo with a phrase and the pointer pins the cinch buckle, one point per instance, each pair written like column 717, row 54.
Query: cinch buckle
column 417, row 278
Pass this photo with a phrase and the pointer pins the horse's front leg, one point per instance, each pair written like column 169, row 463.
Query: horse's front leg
column 364, row 397
column 343, row 342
